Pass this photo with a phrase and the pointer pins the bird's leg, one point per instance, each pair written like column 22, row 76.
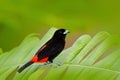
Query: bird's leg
column 57, row 63
column 48, row 62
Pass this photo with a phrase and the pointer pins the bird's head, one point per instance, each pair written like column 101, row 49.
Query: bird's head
column 61, row 33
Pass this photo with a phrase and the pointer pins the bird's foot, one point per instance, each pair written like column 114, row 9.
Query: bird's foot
column 48, row 62
column 56, row 64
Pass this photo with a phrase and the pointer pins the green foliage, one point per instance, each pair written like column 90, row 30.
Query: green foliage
column 89, row 58
column 19, row 18
column 1, row 51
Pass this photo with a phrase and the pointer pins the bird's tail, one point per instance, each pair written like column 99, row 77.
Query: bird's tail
column 24, row 66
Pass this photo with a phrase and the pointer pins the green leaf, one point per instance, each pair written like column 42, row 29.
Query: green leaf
column 6, row 72
column 12, row 74
column 88, row 58
column 99, row 37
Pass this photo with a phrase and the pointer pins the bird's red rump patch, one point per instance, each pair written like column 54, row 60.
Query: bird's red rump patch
column 44, row 60
column 35, row 59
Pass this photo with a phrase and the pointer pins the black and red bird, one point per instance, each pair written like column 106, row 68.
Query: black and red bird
column 49, row 50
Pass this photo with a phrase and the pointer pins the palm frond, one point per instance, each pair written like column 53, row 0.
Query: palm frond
column 89, row 58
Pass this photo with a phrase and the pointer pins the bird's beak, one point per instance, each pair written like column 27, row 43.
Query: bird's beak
column 66, row 32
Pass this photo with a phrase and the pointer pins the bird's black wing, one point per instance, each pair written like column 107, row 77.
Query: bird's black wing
column 52, row 48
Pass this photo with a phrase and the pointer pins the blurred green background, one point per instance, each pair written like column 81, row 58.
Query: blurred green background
column 19, row 18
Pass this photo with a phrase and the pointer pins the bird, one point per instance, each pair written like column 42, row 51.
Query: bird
column 51, row 49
